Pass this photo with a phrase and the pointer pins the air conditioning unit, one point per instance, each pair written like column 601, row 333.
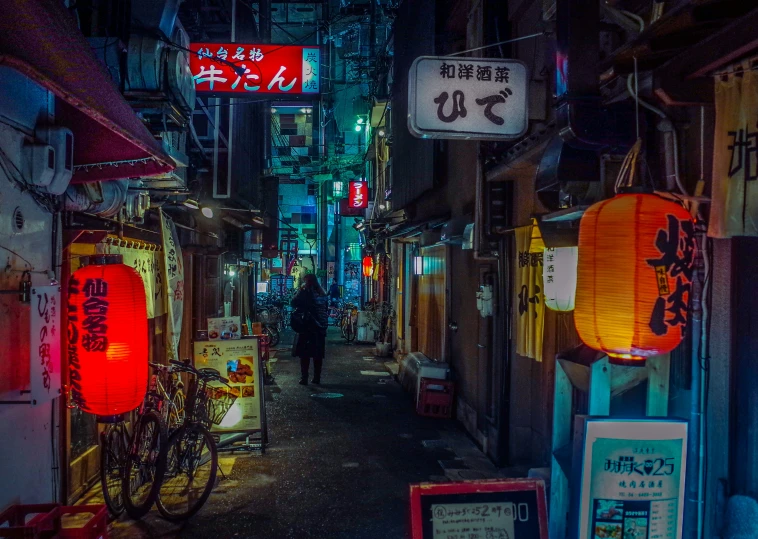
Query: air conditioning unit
column 51, row 163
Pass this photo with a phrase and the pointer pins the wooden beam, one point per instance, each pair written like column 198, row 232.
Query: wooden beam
column 578, row 374
column 600, row 388
column 625, row 378
column 658, row 371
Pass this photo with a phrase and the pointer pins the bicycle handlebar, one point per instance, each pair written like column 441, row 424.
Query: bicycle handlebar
column 205, row 373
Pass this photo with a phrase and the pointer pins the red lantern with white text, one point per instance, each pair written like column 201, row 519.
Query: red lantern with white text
column 368, row 266
column 107, row 337
column 636, row 256
column 357, row 195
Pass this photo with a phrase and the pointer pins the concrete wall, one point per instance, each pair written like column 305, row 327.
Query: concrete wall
column 27, row 433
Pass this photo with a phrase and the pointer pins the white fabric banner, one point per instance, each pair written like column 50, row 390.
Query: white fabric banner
column 148, row 265
column 173, row 272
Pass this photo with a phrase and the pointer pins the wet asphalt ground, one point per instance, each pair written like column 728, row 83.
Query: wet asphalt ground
column 336, row 468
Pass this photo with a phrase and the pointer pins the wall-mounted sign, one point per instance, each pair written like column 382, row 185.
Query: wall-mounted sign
column 357, row 195
column 468, row 98
column 632, row 478
column 236, row 68
column 504, row 508
column 238, row 361
column 45, row 344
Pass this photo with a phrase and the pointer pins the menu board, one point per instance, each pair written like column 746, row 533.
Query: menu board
column 632, row 480
column 493, row 509
column 224, row 328
column 239, row 362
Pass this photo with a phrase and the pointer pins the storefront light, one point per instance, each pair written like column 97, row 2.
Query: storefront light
column 359, row 127
column 418, row 265
column 208, row 212
column 338, row 189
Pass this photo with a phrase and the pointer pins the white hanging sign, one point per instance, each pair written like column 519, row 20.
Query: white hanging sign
column 467, row 98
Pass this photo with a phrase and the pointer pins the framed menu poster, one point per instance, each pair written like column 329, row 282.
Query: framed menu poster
column 487, row 509
column 238, row 361
column 632, row 476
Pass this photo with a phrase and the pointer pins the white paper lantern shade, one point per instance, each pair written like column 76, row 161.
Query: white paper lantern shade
column 559, row 278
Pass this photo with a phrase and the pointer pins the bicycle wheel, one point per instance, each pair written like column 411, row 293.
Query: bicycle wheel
column 350, row 331
column 190, row 461
column 176, row 411
column 142, row 472
column 272, row 334
column 112, row 454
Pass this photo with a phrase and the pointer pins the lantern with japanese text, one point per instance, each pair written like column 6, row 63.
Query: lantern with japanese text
column 636, row 256
column 368, row 266
column 107, row 337
column 559, row 278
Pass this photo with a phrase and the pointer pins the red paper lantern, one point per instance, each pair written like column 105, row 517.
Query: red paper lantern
column 636, row 256
column 368, row 266
column 107, row 337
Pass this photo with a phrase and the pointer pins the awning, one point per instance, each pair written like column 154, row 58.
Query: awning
column 40, row 39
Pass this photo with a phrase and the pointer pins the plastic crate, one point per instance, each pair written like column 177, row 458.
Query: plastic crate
column 15, row 524
column 435, row 398
column 57, row 523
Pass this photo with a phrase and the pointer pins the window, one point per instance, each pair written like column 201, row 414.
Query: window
column 312, row 189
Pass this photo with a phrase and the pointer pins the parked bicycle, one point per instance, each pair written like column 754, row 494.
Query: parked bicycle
column 349, row 322
column 128, row 461
column 189, row 460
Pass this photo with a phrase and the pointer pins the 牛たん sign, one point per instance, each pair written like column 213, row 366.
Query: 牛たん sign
column 469, row 98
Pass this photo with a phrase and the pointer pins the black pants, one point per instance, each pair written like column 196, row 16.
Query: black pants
column 305, row 363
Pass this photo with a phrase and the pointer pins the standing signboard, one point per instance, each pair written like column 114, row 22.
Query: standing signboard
column 238, row 68
column 239, row 361
column 227, row 328
column 467, row 98
column 502, row 509
column 632, row 478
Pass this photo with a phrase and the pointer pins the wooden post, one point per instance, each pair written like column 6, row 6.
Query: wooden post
column 559, row 491
column 658, row 369
column 600, row 388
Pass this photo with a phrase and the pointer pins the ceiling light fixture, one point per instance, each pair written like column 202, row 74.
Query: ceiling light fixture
column 208, row 212
column 192, row 204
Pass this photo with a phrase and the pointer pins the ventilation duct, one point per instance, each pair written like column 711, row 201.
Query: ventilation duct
column 156, row 15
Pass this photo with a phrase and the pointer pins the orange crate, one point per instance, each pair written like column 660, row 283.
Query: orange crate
column 435, row 398
column 15, row 524
column 58, row 523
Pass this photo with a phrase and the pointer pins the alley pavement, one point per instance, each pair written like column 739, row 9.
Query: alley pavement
column 335, row 467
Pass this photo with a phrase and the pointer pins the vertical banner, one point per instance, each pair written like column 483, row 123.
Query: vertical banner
column 45, row 349
column 530, row 308
column 147, row 263
column 173, row 272
column 632, row 480
column 734, row 198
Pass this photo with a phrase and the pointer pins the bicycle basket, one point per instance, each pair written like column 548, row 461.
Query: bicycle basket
column 219, row 402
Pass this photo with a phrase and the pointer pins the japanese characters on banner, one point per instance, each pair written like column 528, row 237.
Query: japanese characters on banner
column 174, row 284
column 734, row 198
column 530, row 308
column 148, row 265
column 239, row 362
column 357, row 195
column 236, row 68
column 45, row 349
column 470, row 98
column 632, row 481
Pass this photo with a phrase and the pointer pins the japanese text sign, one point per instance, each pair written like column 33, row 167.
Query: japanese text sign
column 45, row 347
column 632, row 478
column 357, row 195
column 222, row 68
column 470, row 98
column 505, row 508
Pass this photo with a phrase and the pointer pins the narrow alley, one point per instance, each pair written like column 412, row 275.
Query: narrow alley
column 336, row 467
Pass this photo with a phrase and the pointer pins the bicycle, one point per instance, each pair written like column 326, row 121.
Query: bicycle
column 349, row 322
column 189, row 460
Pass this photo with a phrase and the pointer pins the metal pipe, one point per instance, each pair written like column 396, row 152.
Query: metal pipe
column 478, row 215
column 693, row 501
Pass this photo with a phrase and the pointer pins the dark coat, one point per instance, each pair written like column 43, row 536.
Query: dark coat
column 312, row 342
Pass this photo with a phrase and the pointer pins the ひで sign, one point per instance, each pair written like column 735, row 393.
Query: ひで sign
column 469, row 98
column 236, row 68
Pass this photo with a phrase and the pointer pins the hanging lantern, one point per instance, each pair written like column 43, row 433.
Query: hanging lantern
column 636, row 256
column 559, row 278
column 368, row 266
column 107, row 333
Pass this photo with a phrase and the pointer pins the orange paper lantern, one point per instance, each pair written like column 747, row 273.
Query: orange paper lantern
column 107, row 338
column 636, row 256
column 368, row 266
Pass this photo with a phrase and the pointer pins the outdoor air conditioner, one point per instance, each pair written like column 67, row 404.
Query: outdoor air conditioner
column 51, row 162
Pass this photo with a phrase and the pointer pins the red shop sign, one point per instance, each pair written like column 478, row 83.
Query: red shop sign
column 236, row 68
column 357, row 195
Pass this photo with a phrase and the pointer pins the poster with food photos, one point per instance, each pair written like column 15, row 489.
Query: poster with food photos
column 239, row 362
column 633, row 479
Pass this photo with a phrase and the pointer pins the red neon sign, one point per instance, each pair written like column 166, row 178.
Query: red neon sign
column 357, row 195
column 236, row 68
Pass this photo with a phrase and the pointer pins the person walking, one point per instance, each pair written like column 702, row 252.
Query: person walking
column 334, row 292
column 311, row 301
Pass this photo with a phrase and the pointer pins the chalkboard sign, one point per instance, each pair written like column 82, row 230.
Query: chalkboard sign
column 493, row 509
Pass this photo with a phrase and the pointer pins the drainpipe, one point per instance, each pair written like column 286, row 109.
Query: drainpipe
column 693, row 503
column 479, row 217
